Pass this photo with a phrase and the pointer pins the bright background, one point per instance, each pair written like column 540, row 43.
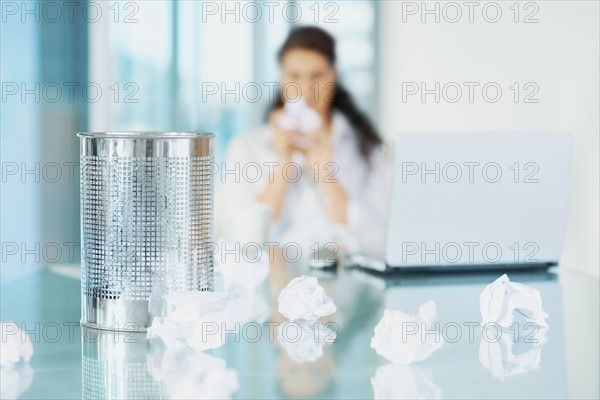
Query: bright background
column 163, row 54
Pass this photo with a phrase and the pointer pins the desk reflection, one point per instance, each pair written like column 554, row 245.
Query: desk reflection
column 114, row 366
column 125, row 365
column 523, row 361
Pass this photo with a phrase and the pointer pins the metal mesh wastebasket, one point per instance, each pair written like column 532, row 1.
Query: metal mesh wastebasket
column 146, row 222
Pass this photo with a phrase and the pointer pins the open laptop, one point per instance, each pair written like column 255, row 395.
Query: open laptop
column 476, row 201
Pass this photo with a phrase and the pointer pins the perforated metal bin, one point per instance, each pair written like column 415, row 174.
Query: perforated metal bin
column 146, row 222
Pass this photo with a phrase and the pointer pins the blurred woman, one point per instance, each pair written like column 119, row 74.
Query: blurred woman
column 324, row 174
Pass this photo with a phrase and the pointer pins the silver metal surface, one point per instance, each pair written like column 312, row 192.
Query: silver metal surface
column 146, row 222
column 114, row 366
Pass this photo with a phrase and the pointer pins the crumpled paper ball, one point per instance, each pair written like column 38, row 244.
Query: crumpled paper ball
column 304, row 341
column 299, row 116
column 190, row 319
column 191, row 305
column 302, row 120
column 242, row 273
column 498, row 355
column 15, row 346
column 395, row 381
column 304, row 299
column 388, row 340
column 501, row 299
column 252, row 307
column 192, row 374
column 15, row 380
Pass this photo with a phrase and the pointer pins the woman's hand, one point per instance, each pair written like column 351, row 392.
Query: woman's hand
column 320, row 151
column 319, row 155
column 283, row 141
column 275, row 191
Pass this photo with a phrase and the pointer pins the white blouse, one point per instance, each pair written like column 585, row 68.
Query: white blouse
column 304, row 219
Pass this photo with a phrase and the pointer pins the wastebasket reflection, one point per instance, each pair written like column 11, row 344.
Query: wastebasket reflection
column 114, row 366
column 121, row 365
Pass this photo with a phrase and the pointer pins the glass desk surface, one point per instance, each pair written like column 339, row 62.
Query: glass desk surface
column 65, row 364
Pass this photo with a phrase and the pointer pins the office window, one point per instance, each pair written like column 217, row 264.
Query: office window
column 141, row 53
column 199, row 73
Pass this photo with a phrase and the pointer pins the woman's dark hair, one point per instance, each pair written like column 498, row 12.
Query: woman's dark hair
column 316, row 39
